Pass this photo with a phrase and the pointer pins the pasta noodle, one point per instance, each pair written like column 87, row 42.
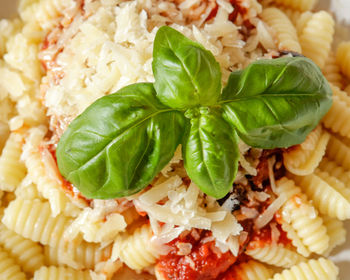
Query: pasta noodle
column 60, row 273
column 28, row 254
column 303, row 218
column 136, row 250
column 301, row 5
column 276, row 255
column 343, row 57
column 335, row 231
column 9, row 270
column 317, row 36
column 12, row 170
column 335, row 170
column 285, row 32
column 320, row 269
column 327, row 200
column 338, row 151
column 304, row 158
column 251, row 270
column 331, row 71
column 32, row 219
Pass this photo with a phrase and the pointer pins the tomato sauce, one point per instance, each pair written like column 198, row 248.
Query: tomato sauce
column 205, row 262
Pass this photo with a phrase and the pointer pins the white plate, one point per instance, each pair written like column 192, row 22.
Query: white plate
column 342, row 7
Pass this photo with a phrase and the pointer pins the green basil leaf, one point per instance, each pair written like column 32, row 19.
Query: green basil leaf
column 119, row 144
column 210, row 153
column 276, row 103
column 186, row 74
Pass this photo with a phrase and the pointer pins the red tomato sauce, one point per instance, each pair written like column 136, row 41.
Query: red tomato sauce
column 203, row 263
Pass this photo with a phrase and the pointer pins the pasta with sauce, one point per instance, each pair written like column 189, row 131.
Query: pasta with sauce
column 59, row 57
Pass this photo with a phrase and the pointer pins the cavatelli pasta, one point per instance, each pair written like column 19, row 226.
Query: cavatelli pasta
column 337, row 117
column 303, row 218
column 338, row 151
column 296, row 240
column 304, row 158
column 335, row 170
column 33, row 220
column 301, row 5
column 335, row 231
column 78, row 256
column 135, row 250
column 27, row 191
column 317, row 36
column 28, row 254
column 327, row 200
column 12, row 170
column 331, row 71
column 275, row 254
column 251, row 270
column 321, row 269
column 285, row 32
column 292, row 14
column 60, row 273
column 343, row 57
column 49, row 186
column 9, row 270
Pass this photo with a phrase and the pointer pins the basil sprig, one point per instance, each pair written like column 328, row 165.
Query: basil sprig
column 118, row 144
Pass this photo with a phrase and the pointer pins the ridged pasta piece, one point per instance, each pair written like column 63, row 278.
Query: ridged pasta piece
column 28, row 254
column 60, row 273
column 343, row 57
column 252, row 270
column 9, row 270
column 78, row 256
column 33, row 220
column 285, row 31
column 321, row 269
column 303, row 218
column 335, row 170
column 331, row 71
column 317, row 36
column 327, row 200
column 338, row 152
column 27, row 191
column 292, row 14
column 12, row 169
column 304, row 158
column 135, row 250
column 335, row 231
column 338, row 185
column 49, row 186
column 296, row 240
column 276, row 255
column 301, row 5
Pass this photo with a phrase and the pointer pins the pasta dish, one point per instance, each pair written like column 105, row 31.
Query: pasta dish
column 172, row 140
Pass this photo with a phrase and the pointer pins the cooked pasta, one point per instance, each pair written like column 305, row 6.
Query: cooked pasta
column 343, row 57
column 60, row 273
column 304, row 158
column 301, row 5
column 285, row 31
column 339, row 152
column 331, row 71
column 12, row 170
column 252, row 270
column 33, row 220
column 335, row 231
column 276, row 255
column 60, row 56
column 81, row 255
column 136, row 250
column 303, row 218
column 327, row 200
column 43, row 176
column 335, row 170
column 321, row 269
column 317, row 36
column 28, row 254
column 9, row 270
